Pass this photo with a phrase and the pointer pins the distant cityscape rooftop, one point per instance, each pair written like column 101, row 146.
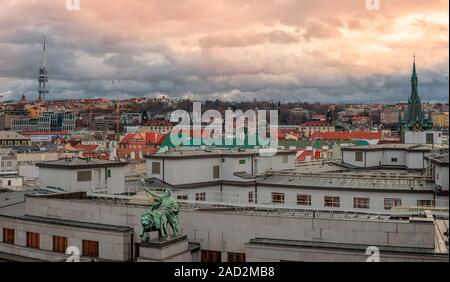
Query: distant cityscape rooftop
column 11, row 135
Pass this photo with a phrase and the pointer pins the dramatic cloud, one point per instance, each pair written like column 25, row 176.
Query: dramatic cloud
column 327, row 51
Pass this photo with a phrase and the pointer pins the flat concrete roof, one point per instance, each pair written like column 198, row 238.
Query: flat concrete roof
column 346, row 183
column 439, row 159
column 389, row 147
column 78, row 163
column 191, row 154
column 336, row 246
column 71, row 223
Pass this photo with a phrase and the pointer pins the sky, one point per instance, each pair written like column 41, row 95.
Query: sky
column 282, row 50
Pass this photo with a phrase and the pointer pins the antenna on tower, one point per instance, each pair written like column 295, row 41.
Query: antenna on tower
column 44, row 53
column 43, row 75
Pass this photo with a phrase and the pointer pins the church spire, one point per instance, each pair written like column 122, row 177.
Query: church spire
column 414, row 79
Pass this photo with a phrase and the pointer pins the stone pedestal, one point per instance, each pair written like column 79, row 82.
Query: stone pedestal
column 172, row 250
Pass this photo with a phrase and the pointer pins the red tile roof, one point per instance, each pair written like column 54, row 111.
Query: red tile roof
column 126, row 152
column 146, row 137
column 356, row 135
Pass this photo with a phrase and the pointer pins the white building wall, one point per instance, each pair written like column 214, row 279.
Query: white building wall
column 238, row 194
column 420, row 137
column 197, row 170
column 348, row 157
column 28, row 171
column 116, row 183
column 67, row 179
column 11, row 182
column 376, row 200
column 184, row 171
column 233, row 165
column 64, row 179
column 263, row 164
column 441, row 177
column 389, row 155
column 414, row 160
column 374, row 158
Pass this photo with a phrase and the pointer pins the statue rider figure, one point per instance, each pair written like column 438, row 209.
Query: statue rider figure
column 167, row 206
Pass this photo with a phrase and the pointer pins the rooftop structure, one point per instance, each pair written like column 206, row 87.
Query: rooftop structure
column 77, row 163
column 75, row 175
column 111, row 225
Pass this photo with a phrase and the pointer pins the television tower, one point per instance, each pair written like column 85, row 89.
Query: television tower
column 43, row 75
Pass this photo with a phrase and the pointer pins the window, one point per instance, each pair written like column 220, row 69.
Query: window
column 332, row 202
column 182, row 197
column 361, row 203
column 33, row 240
column 216, row 172
column 8, row 236
column 358, row 156
column 425, row 203
column 83, row 176
column 429, row 138
column 236, row 257
column 211, row 256
column 250, row 197
column 108, row 173
column 90, row 248
column 285, row 159
column 390, row 203
column 9, row 182
column 156, row 167
column 394, row 160
column 278, row 198
column 241, row 162
column 304, row 200
column 200, row 196
column 59, row 244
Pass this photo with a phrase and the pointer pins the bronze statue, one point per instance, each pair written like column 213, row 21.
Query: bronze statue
column 162, row 213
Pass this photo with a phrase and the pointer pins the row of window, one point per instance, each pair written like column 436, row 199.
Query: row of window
column 15, row 143
column 329, row 201
column 90, row 248
column 8, row 163
column 335, row 202
column 216, row 256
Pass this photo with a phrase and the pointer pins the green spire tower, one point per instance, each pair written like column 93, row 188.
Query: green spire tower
column 414, row 118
